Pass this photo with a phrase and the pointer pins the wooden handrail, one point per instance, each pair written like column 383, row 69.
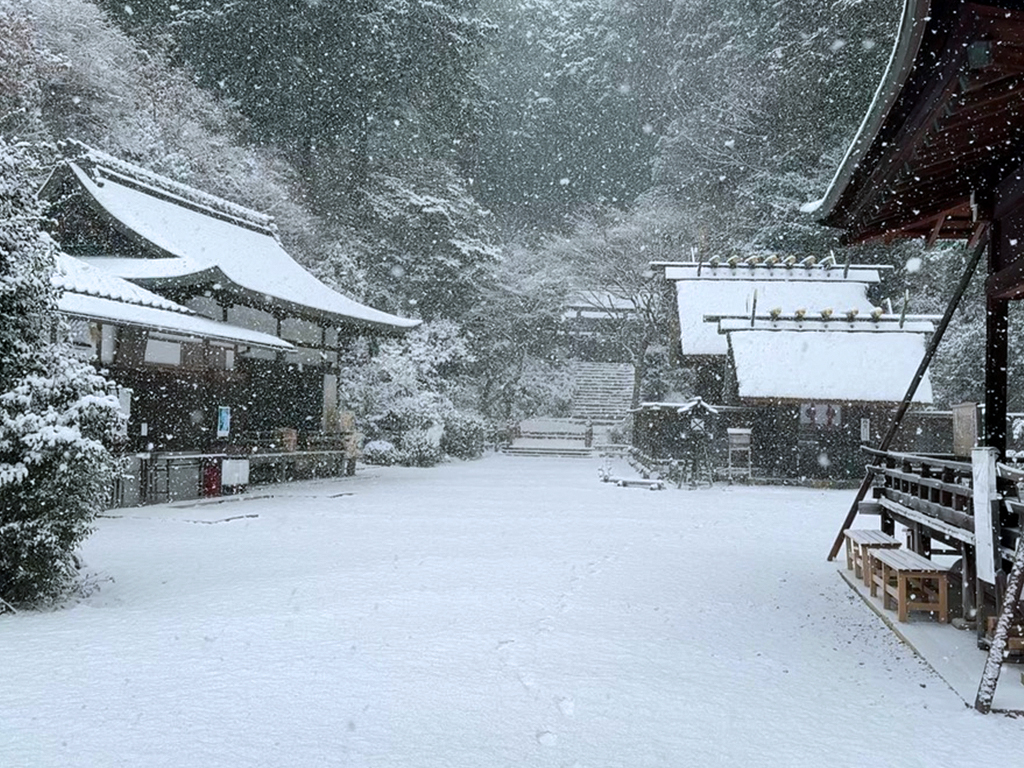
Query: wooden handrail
column 959, row 466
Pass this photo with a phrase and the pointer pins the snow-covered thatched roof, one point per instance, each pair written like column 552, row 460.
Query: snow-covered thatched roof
column 92, row 294
column 192, row 239
column 683, row 407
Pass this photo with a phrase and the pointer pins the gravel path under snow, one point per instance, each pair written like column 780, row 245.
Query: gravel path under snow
column 505, row 612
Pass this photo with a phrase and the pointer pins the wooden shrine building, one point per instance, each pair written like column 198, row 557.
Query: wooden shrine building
column 940, row 155
column 254, row 336
column 797, row 352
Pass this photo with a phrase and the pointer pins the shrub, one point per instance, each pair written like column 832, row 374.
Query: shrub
column 380, row 452
column 422, row 447
column 465, row 435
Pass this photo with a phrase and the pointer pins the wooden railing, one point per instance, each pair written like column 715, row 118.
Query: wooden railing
column 937, row 494
column 928, row 491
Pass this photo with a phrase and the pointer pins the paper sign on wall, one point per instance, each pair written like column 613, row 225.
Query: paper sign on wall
column 223, row 421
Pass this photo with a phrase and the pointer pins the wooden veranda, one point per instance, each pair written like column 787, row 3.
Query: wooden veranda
column 940, row 155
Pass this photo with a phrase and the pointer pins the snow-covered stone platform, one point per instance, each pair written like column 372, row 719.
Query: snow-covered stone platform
column 503, row 612
column 952, row 653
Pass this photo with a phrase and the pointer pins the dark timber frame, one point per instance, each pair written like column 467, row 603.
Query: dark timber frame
column 940, row 155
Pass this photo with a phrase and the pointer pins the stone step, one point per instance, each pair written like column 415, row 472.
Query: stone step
column 563, row 453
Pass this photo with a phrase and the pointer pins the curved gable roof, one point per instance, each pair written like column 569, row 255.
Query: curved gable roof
column 196, row 239
column 941, row 131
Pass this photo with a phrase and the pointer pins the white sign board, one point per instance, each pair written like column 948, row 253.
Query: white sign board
column 983, row 461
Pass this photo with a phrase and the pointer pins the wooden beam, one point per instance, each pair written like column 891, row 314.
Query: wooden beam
column 1006, row 284
column 938, row 91
column 996, row 360
column 936, row 230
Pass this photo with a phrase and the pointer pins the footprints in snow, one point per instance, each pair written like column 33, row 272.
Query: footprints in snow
column 565, row 704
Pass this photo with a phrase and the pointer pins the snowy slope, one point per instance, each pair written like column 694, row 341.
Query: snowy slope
column 506, row 612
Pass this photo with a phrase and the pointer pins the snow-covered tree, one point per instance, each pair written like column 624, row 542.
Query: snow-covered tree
column 565, row 125
column 406, row 393
column 515, row 331
column 432, row 250
column 56, row 416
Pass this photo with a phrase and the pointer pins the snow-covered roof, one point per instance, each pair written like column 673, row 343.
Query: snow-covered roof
column 190, row 326
column 207, row 240
column 92, row 294
column 773, row 269
column 908, row 39
column 836, row 365
column 601, row 301
column 76, row 276
column 681, row 408
column 835, row 323
column 699, row 298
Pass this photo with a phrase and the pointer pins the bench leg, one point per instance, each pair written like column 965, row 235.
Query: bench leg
column 850, row 566
column 903, row 591
column 943, row 599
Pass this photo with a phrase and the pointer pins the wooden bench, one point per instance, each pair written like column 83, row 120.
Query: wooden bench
column 653, row 485
column 913, row 581
column 858, row 542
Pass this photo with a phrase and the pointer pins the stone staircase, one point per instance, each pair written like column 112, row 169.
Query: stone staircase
column 604, row 392
column 554, row 438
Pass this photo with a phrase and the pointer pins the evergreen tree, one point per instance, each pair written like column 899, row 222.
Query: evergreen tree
column 764, row 98
column 342, row 83
column 55, row 415
column 566, row 125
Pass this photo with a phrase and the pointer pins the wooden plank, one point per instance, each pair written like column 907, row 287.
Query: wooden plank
column 905, row 514
column 921, row 458
column 869, row 536
column 947, row 515
column 907, row 560
column 929, row 482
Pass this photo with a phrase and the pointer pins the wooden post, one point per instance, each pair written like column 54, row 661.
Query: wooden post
column 965, row 280
column 996, row 358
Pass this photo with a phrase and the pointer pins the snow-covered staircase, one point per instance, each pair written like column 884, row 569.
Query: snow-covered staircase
column 556, row 438
column 604, row 392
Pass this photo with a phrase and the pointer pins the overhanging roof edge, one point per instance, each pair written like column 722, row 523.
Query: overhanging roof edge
column 913, row 23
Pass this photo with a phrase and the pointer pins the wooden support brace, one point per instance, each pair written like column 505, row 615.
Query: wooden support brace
column 993, row 665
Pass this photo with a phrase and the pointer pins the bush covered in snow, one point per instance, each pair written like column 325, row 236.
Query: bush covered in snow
column 422, row 447
column 405, row 395
column 380, row 452
column 465, row 435
column 55, row 413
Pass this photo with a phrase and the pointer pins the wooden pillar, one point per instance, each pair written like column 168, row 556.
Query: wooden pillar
column 1001, row 250
column 996, row 358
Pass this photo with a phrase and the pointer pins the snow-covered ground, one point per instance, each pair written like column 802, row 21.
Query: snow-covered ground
column 505, row 612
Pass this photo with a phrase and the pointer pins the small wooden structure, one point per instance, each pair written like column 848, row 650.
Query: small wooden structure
column 739, row 448
column 678, row 439
column 912, row 582
column 859, row 543
column 940, row 155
